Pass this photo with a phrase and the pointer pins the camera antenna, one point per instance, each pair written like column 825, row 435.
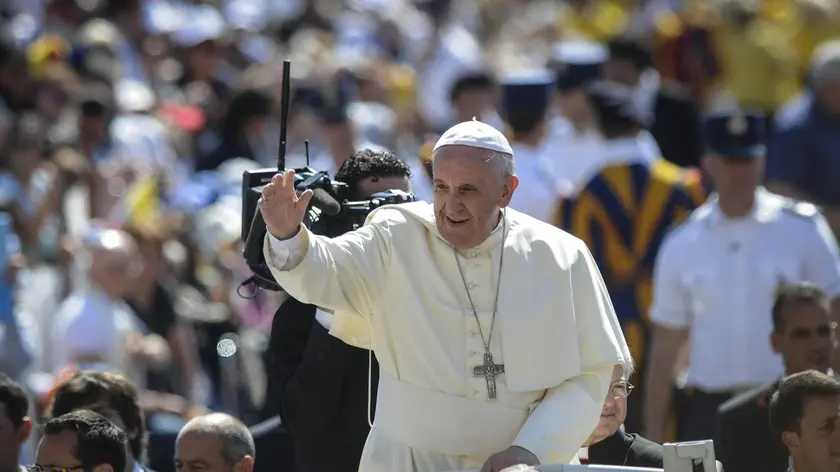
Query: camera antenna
column 284, row 113
column 306, row 151
column 256, row 233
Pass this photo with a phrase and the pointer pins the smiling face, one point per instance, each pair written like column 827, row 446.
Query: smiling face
column 469, row 193
column 614, row 410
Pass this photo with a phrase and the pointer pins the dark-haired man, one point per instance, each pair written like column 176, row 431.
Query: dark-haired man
column 802, row 333
column 804, row 413
column 322, row 382
column 668, row 110
column 81, row 441
column 15, row 425
column 112, row 396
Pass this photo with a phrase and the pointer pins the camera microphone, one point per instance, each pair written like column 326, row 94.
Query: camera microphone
column 322, row 200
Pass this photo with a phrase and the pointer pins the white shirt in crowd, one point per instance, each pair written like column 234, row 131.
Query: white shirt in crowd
column 537, row 194
column 717, row 277
column 90, row 324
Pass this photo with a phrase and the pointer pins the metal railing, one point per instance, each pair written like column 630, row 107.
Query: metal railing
column 677, row 457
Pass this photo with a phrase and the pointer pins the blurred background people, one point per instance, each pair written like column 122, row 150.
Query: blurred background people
column 138, row 118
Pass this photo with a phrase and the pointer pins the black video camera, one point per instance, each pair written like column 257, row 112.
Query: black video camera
column 330, row 212
column 325, row 216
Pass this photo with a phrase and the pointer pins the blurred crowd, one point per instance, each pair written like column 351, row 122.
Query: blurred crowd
column 125, row 126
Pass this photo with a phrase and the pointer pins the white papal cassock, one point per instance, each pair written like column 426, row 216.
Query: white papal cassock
column 556, row 332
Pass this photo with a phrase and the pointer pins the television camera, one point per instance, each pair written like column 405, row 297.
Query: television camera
column 331, row 211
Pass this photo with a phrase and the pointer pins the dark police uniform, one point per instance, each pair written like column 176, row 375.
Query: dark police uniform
column 623, row 449
column 744, row 440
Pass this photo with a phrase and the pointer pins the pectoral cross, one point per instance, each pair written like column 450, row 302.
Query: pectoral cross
column 489, row 371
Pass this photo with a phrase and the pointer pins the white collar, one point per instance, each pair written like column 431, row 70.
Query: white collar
column 137, row 467
column 765, row 209
column 626, row 151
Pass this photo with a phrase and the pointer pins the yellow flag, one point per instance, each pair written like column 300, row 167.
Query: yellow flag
column 142, row 202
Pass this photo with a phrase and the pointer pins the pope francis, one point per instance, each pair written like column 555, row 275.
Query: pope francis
column 495, row 335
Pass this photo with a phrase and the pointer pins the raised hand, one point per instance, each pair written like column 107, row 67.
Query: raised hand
column 282, row 209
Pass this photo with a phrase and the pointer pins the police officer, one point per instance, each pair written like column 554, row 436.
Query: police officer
column 716, row 275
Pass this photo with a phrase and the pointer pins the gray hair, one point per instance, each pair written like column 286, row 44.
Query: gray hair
column 628, row 367
column 502, row 162
column 236, row 439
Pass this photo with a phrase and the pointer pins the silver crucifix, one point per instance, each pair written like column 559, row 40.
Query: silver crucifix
column 489, row 371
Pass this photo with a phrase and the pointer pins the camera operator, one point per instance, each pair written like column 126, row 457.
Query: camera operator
column 321, row 382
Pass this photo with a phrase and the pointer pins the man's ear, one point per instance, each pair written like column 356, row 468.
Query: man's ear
column 24, row 430
column 776, row 342
column 246, row 464
column 511, row 183
column 791, row 440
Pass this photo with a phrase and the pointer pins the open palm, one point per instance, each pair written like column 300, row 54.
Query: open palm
column 281, row 207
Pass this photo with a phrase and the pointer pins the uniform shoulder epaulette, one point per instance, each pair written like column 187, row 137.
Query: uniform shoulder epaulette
column 801, row 208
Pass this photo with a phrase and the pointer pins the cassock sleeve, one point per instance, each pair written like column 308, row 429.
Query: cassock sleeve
column 570, row 411
column 339, row 274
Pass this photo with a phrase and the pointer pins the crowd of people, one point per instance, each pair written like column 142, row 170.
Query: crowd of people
column 689, row 145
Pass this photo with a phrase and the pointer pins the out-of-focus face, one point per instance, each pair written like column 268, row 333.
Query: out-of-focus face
column 614, row 410
column 734, row 176
column 202, row 58
column 469, row 194
column 197, row 451
column 806, row 341
column 829, row 96
column 473, row 103
column 817, row 445
column 573, row 105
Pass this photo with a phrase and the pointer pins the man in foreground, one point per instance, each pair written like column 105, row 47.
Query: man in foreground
column 215, row 443
column 802, row 335
column 804, row 413
column 468, row 378
column 81, row 441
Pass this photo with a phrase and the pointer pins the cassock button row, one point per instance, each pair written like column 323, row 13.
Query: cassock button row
column 475, row 392
column 475, row 265
column 472, row 353
column 475, row 255
column 470, row 285
column 474, row 333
